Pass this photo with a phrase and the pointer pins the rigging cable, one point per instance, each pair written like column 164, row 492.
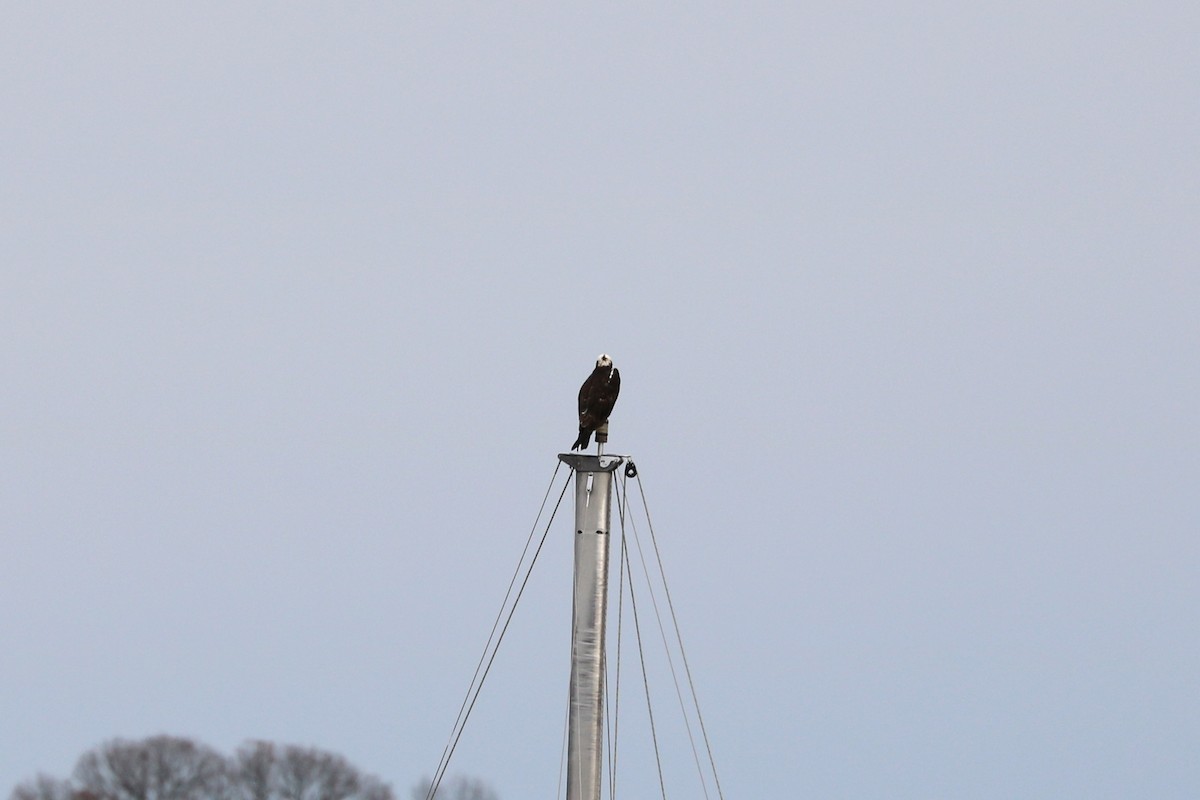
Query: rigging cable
column 679, row 638
column 570, row 672
column 687, row 723
column 615, row 718
column 562, row 752
column 645, row 680
column 476, row 685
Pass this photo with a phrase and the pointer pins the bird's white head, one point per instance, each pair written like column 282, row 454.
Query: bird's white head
column 604, row 360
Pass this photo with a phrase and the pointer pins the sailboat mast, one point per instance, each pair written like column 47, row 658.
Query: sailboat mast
column 593, row 494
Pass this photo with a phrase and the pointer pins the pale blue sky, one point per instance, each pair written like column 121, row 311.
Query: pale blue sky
column 295, row 300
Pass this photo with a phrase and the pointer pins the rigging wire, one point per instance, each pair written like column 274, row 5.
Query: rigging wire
column 615, row 718
column 496, row 636
column 670, row 660
column 645, row 680
column 679, row 638
column 562, row 752
column 476, row 685
column 570, row 672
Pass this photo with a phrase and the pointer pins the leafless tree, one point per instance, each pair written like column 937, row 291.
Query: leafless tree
column 43, row 787
column 264, row 771
column 171, row 768
column 309, row 774
column 253, row 770
column 158, row 768
column 456, row 788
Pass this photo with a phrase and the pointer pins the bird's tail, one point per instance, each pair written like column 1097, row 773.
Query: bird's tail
column 581, row 443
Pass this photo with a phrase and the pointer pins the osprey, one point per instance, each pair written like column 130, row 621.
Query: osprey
column 596, row 399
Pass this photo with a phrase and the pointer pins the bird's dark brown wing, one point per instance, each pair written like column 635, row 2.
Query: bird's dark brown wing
column 587, row 398
column 601, row 396
column 606, row 395
column 596, row 398
column 587, row 392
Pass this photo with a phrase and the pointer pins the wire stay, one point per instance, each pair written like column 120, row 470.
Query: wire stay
column 650, row 578
column 612, row 692
column 492, row 646
column 679, row 638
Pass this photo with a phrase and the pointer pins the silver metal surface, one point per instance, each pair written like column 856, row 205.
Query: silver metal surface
column 585, row 463
column 593, row 492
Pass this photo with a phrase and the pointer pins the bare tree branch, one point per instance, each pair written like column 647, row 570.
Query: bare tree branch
column 174, row 768
column 43, row 787
column 158, row 768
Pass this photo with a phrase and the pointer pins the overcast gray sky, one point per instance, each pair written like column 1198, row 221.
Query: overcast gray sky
column 295, row 300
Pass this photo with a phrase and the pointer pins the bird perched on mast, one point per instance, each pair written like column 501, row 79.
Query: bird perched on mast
column 597, row 397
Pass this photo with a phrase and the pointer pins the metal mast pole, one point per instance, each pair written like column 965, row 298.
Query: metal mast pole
column 593, row 494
